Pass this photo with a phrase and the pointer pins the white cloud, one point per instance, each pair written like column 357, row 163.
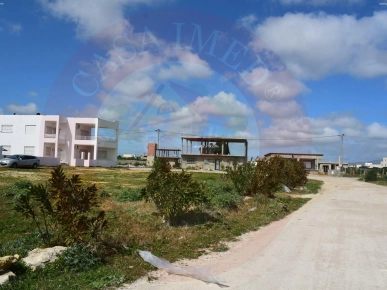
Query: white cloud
column 314, row 46
column 320, row 2
column 376, row 130
column 28, row 109
column 322, row 135
column 224, row 108
column 91, row 16
column 280, row 110
column 13, row 28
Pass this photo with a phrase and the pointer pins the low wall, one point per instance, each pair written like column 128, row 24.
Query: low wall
column 49, row 161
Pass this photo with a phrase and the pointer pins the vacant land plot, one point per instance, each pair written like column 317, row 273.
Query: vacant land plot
column 133, row 226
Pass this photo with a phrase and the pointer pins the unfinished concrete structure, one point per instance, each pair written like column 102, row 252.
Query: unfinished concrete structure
column 171, row 154
column 203, row 153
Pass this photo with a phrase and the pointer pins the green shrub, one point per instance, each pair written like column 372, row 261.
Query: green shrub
column 271, row 174
column 371, row 175
column 293, row 174
column 267, row 177
column 173, row 193
column 64, row 208
column 241, row 175
column 78, row 258
column 222, row 194
column 129, row 194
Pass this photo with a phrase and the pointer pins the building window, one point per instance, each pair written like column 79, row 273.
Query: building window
column 29, row 150
column 308, row 164
column 191, row 160
column 102, row 155
column 30, row 129
column 6, row 128
column 6, row 150
column 50, row 130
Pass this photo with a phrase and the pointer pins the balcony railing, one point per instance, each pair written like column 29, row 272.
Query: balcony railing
column 79, row 137
column 46, row 135
column 106, row 139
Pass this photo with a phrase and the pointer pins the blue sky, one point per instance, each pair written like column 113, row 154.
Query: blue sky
column 289, row 75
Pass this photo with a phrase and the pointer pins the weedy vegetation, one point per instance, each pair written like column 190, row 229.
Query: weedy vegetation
column 104, row 216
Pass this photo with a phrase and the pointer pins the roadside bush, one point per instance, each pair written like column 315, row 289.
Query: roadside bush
column 293, row 173
column 63, row 208
column 371, row 175
column 129, row 194
column 78, row 258
column 267, row 177
column 241, row 175
column 222, row 194
column 173, row 193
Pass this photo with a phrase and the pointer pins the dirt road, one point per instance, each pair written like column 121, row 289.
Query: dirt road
column 336, row 241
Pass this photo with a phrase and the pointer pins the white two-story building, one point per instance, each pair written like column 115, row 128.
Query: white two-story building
column 57, row 139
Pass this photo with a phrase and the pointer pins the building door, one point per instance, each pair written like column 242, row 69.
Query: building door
column 326, row 167
column 48, row 151
column 217, row 164
column 62, row 156
column 83, row 154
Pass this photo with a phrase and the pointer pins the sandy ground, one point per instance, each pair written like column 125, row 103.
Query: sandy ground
column 338, row 240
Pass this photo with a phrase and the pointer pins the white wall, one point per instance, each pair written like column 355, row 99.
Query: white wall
column 18, row 138
column 63, row 145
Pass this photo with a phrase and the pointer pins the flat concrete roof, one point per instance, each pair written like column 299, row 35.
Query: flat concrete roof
column 332, row 162
column 169, row 149
column 215, row 139
column 295, row 154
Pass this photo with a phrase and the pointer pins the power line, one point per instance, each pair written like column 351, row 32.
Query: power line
column 133, row 132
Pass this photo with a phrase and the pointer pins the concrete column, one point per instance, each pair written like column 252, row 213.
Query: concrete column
column 56, row 139
column 96, row 141
column 246, row 150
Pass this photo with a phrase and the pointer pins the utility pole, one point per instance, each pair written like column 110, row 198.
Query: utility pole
column 341, row 151
column 158, row 137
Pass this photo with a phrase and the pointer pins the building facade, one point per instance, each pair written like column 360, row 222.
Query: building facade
column 204, row 153
column 60, row 140
column 311, row 161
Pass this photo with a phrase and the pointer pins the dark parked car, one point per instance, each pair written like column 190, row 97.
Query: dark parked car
column 20, row 160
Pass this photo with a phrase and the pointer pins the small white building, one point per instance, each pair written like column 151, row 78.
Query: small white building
column 372, row 165
column 56, row 139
